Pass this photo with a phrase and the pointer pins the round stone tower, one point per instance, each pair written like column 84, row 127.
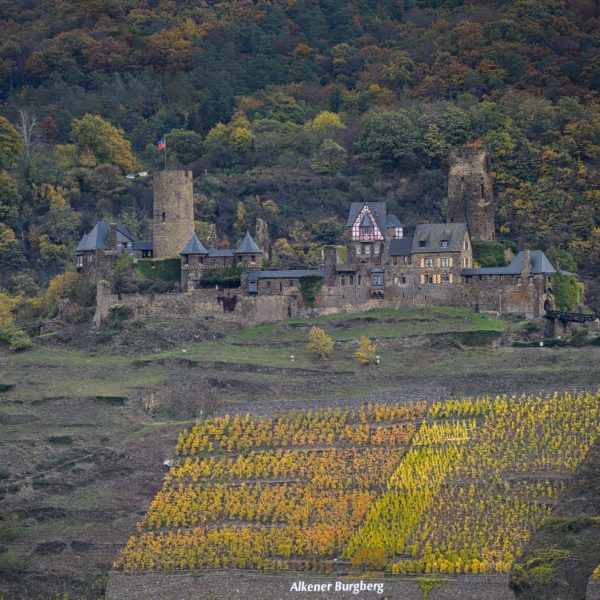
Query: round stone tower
column 470, row 191
column 173, row 217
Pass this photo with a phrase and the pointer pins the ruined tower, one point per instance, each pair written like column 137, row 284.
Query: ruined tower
column 470, row 191
column 173, row 216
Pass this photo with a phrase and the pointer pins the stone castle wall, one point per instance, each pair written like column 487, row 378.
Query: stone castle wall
column 259, row 586
column 470, row 191
column 173, row 216
column 197, row 304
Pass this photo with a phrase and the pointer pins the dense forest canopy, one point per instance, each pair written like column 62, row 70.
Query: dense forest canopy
column 289, row 110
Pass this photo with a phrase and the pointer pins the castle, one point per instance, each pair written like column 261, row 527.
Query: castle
column 380, row 265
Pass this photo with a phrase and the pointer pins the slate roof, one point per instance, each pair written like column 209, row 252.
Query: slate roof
column 434, row 233
column 221, row 252
column 378, row 209
column 194, row 246
column 284, row 274
column 539, row 264
column 401, row 246
column 393, row 221
column 96, row 239
column 247, row 246
column 142, row 245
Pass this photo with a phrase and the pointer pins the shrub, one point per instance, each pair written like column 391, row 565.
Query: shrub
column 310, row 286
column 369, row 558
column 366, row 352
column 11, row 565
column 579, row 338
column 319, row 343
column 19, row 341
column 118, row 314
column 10, row 528
column 567, row 291
column 168, row 269
column 488, row 254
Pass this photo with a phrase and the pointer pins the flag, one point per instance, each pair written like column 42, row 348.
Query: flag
column 162, row 143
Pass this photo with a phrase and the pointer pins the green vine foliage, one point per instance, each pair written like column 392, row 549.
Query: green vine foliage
column 568, row 292
column 310, row 286
column 228, row 278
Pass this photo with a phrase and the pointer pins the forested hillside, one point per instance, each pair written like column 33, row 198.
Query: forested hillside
column 289, row 110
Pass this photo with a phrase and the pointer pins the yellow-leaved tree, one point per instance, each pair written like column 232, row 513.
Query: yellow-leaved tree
column 366, row 352
column 319, row 343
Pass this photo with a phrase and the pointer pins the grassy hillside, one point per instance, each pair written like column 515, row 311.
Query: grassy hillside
column 86, row 427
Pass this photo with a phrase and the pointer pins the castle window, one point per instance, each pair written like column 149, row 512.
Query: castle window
column 358, row 250
column 422, row 243
column 366, row 230
column 80, row 261
column 351, row 279
column 367, row 249
column 280, row 286
column 429, row 262
column 396, row 279
column 342, row 280
column 90, row 258
column 466, row 244
column 376, row 248
column 394, row 260
column 377, row 279
column 399, row 232
column 429, row 278
column 481, row 190
column 164, row 217
column 445, row 261
column 444, row 243
column 359, row 280
column 186, row 259
column 446, row 277
column 253, row 258
column 291, row 283
column 403, row 279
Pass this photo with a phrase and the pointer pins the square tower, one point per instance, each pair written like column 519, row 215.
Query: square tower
column 173, row 215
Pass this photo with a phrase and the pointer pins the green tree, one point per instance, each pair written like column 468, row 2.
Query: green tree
column 186, row 145
column 389, row 139
column 366, row 352
column 319, row 343
column 10, row 197
column 11, row 145
column 98, row 141
column 330, row 158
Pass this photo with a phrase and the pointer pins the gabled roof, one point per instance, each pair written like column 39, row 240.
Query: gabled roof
column 366, row 221
column 401, row 246
column 247, row 246
column 429, row 237
column 378, row 210
column 96, row 239
column 194, row 246
column 539, row 264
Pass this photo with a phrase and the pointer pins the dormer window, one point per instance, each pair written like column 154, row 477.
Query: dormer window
column 422, row 243
column 399, row 232
column 444, row 243
column 366, row 230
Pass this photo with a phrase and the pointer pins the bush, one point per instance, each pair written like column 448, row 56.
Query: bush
column 11, row 565
column 10, row 527
column 167, row 269
column 488, row 254
column 537, row 569
column 228, row 278
column 118, row 314
column 369, row 558
column 19, row 341
column 310, row 286
column 567, row 291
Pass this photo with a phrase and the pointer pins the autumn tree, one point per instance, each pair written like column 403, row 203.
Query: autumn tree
column 98, row 141
column 11, row 145
column 366, row 352
column 319, row 343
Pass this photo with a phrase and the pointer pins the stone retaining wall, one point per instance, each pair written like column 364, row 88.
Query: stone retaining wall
column 257, row 586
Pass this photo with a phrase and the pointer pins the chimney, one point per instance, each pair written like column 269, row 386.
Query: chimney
column 330, row 260
column 526, row 264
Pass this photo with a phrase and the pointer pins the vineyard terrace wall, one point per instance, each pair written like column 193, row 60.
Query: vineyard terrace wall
column 243, row 585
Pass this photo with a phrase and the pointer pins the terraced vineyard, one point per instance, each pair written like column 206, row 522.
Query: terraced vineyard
column 456, row 487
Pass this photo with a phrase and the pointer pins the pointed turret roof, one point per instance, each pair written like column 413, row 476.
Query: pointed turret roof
column 248, row 246
column 194, row 246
